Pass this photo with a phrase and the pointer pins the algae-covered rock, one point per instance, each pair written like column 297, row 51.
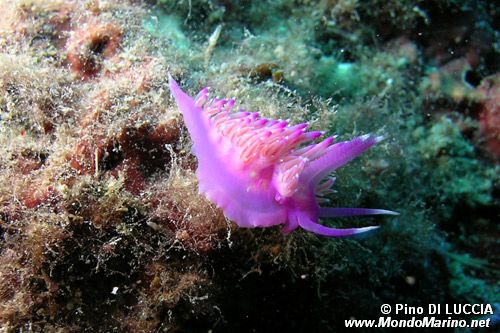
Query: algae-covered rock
column 103, row 228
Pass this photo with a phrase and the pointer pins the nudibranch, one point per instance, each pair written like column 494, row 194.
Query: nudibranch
column 259, row 172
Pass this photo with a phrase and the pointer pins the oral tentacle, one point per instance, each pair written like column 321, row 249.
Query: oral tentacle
column 311, row 226
column 340, row 212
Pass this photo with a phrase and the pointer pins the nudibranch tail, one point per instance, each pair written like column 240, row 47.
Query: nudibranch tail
column 260, row 172
column 192, row 113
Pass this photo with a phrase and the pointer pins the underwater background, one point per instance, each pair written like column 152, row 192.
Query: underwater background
column 102, row 228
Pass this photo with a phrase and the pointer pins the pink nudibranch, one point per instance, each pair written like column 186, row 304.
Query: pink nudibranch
column 257, row 170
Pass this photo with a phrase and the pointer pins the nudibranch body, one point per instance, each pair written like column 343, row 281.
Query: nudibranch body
column 258, row 170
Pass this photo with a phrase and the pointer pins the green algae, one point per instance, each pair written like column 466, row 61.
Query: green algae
column 455, row 174
column 169, row 27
